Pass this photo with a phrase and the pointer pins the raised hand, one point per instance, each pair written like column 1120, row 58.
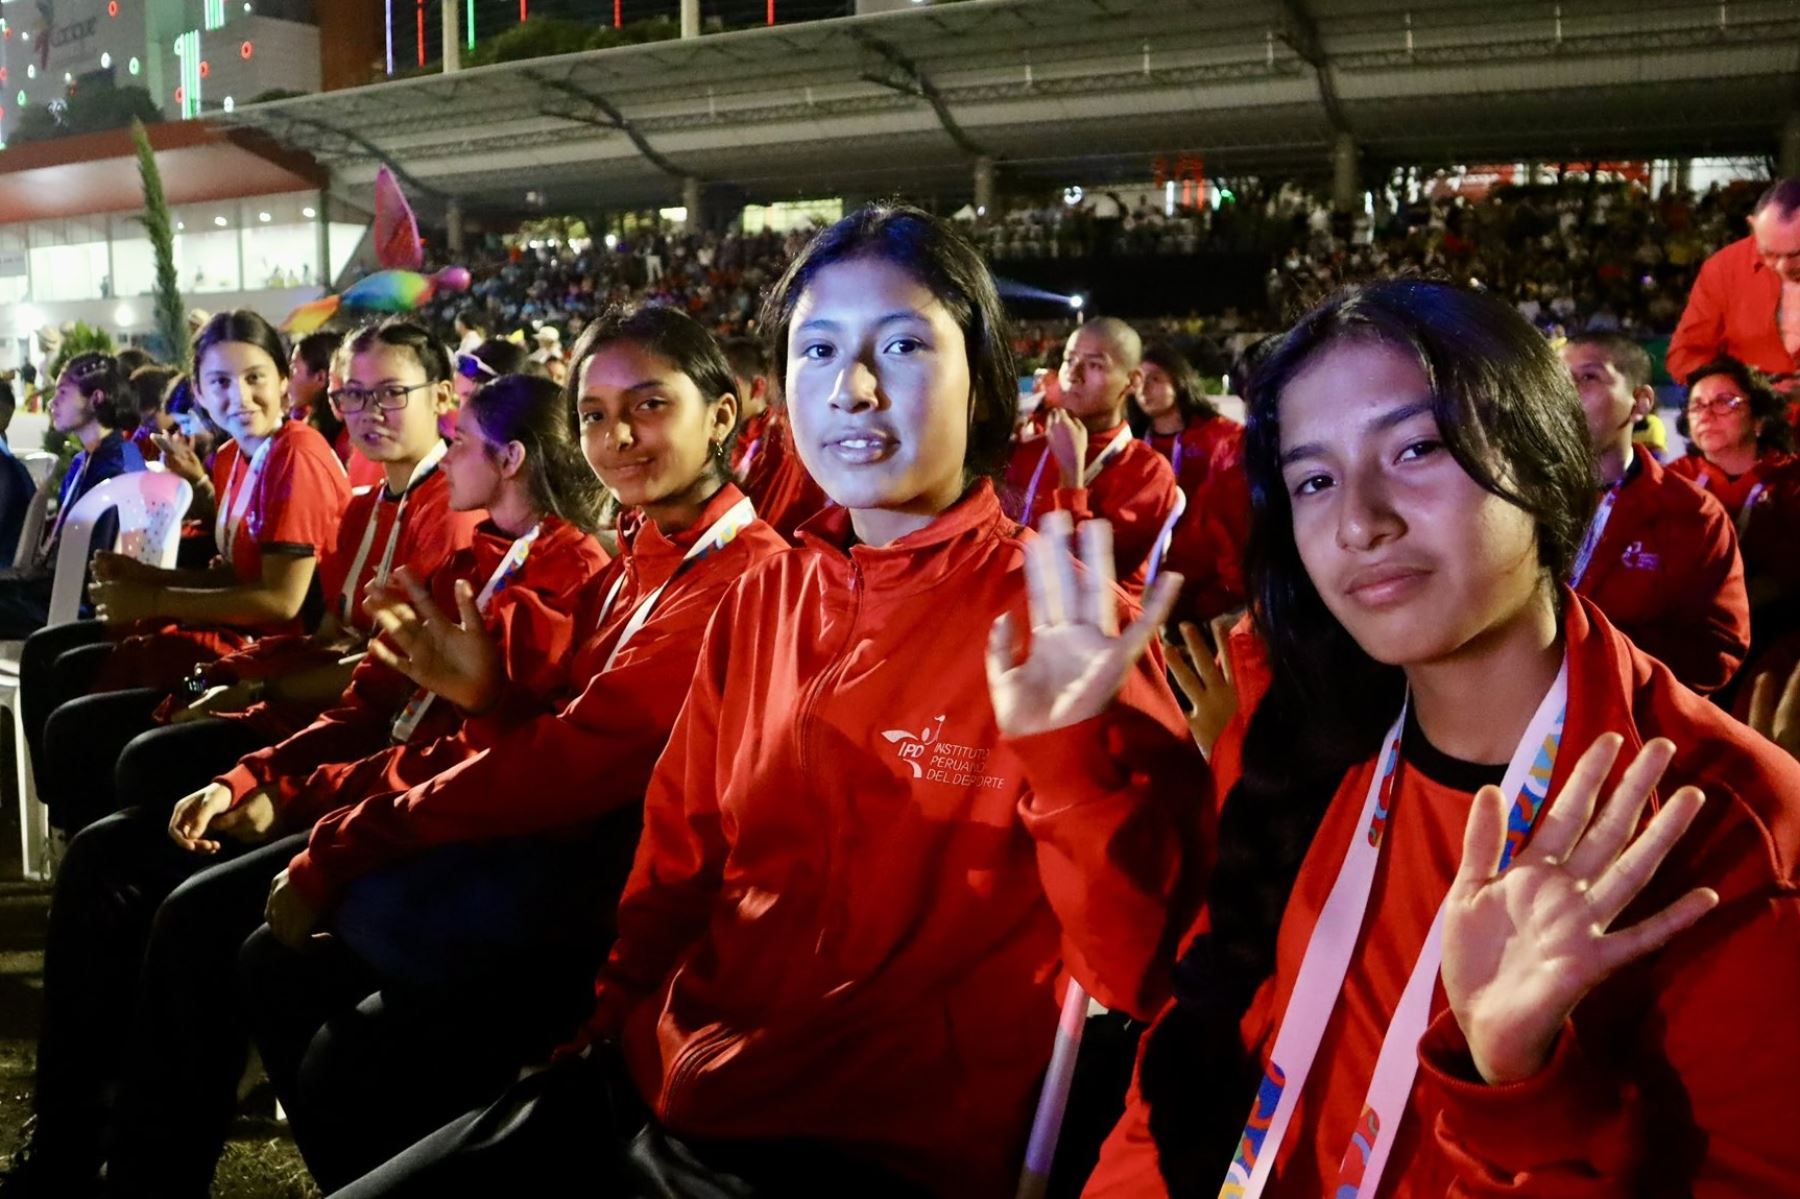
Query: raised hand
column 457, row 660
column 1522, row 948
column 1206, row 682
column 1068, row 445
column 1778, row 720
column 178, row 455
column 1078, row 659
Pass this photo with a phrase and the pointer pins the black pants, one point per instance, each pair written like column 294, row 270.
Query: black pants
column 24, row 603
column 579, row 1129
column 489, row 947
column 46, row 682
column 124, row 938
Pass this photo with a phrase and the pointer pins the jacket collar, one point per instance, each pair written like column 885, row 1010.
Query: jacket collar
column 917, row 561
column 654, row 556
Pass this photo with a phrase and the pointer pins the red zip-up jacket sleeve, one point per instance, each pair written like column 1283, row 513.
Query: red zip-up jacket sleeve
column 1136, row 493
column 600, row 749
column 681, row 852
column 1120, row 807
column 1723, row 1020
column 1700, row 335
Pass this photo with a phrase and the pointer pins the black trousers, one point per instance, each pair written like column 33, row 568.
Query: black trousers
column 125, row 974
column 488, row 947
column 578, row 1128
column 46, row 682
column 24, row 603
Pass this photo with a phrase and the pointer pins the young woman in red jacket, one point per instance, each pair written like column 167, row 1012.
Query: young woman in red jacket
column 465, row 913
column 868, row 858
column 280, row 495
column 1205, row 449
column 151, row 909
column 1411, row 981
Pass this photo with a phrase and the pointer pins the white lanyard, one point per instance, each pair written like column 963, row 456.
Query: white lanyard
column 407, row 722
column 717, row 536
column 64, row 505
column 1113, row 449
column 231, row 515
column 347, row 601
column 1596, row 530
column 1328, row 953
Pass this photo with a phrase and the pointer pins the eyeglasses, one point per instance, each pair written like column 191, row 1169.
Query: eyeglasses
column 1717, row 406
column 471, row 367
column 388, row 399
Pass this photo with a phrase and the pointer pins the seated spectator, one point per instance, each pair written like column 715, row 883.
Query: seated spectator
column 1661, row 557
column 763, row 460
column 17, row 487
column 92, row 400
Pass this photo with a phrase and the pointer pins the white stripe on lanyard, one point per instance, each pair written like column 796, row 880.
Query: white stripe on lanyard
column 407, row 722
column 231, row 514
column 1596, row 530
column 1113, row 449
column 1328, row 952
column 347, row 601
column 717, row 536
column 1743, row 517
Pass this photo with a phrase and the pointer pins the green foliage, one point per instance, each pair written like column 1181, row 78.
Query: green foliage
column 77, row 338
column 91, row 108
column 540, row 37
column 159, row 225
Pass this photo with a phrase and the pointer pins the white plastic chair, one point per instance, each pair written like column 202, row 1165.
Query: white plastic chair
column 32, row 531
column 150, row 506
column 39, row 463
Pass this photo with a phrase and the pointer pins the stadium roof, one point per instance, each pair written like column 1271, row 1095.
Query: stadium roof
column 1063, row 91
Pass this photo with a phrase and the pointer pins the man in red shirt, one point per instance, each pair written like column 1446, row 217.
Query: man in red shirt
column 1746, row 302
column 1661, row 557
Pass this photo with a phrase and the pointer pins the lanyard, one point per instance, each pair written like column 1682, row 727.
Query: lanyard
column 347, row 601
column 1742, row 520
column 717, row 536
column 1327, row 961
column 231, row 515
column 407, row 722
column 1113, row 449
column 1596, row 530
column 743, row 470
column 63, row 506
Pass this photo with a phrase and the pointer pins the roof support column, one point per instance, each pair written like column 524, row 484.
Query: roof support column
column 1790, row 145
column 690, row 18
column 453, row 227
column 1346, row 180
column 452, row 36
column 984, row 185
column 691, row 198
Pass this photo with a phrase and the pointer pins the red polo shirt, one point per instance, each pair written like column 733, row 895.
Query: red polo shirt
column 1732, row 310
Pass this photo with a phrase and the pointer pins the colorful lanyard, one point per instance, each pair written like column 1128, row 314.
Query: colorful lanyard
column 231, row 515
column 347, row 601
column 1597, row 528
column 1113, row 449
column 743, row 470
column 1328, row 952
column 407, row 722
column 718, row 535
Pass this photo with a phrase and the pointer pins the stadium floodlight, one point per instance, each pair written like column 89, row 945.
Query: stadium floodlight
column 1077, row 301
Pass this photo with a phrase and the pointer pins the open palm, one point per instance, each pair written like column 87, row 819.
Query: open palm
column 1522, row 948
column 457, row 659
column 1078, row 658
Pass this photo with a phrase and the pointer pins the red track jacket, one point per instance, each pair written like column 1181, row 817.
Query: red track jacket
column 1674, row 1077
column 774, row 477
column 852, row 901
column 598, row 733
column 1135, row 491
column 347, row 753
column 1667, row 574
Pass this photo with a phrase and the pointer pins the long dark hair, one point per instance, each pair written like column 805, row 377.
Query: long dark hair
column 1768, row 410
column 1509, row 415
column 1190, row 397
column 944, row 262
column 401, row 334
column 247, row 326
column 531, row 412
column 676, row 338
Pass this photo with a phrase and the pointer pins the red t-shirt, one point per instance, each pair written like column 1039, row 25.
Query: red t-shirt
column 298, row 498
